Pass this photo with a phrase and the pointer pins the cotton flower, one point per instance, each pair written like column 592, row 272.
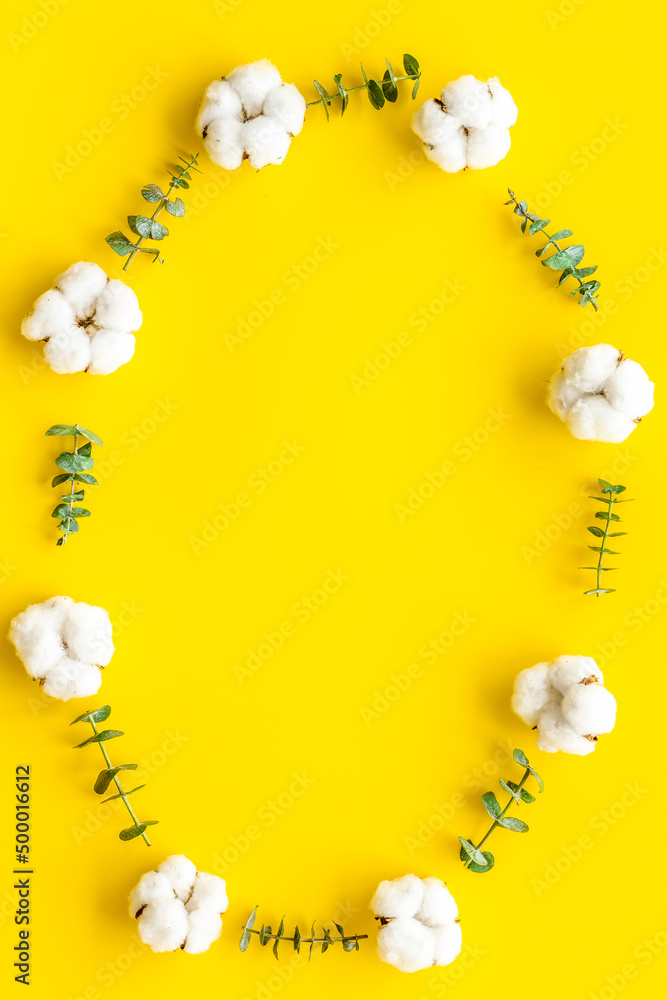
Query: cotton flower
column 250, row 114
column 64, row 644
column 419, row 923
column 600, row 394
column 179, row 907
column 86, row 322
column 468, row 126
column 567, row 702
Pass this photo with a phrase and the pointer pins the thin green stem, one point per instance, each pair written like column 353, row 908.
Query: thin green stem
column 352, row 90
column 118, row 784
column 306, row 940
column 495, row 823
column 598, row 572
column 72, row 484
column 161, row 204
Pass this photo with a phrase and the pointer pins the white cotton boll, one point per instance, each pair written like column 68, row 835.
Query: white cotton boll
column 36, row 635
column 81, row 284
column 487, row 146
column 589, row 367
column 72, row 678
column 153, row 887
column 117, row 307
column 469, row 100
column 208, row 893
column 163, row 926
column 438, row 906
column 504, row 111
column 68, row 352
column 568, row 670
column 224, row 142
column 448, row 943
column 531, row 693
column 592, row 418
column 253, row 82
column 51, row 314
column 401, row 897
column 87, row 634
column 562, row 394
column 220, row 101
column 204, row 927
column 181, row 874
column 287, row 106
column 433, row 125
column 555, row 734
column 629, row 390
column 109, row 350
column 589, row 709
column 450, row 154
column 406, row 944
column 265, row 142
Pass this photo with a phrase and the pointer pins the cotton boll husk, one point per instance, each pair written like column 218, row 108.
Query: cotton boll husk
column 51, row 314
column 531, row 693
column 265, row 141
column 81, row 284
column 208, row 893
column 450, row 154
column 68, row 351
column 153, row 887
column 163, row 926
column 87, row 632
column 562, row 394
column 438, row 906
column 487, row 146
column 117, row 307
column 592, row 418
column 401, row 897
column 109, row 350
column 469, row 100
column 181, row 874
column 555, row 734
column 252, row 82
column 504, row 111
column 224, row 142
column 589, row 367
column 220, row 101
column 629, row 390
column 204, row 927
column 406, row 944
column 448, row 943
column 72, row 679
column 568, row 670
column 589, row 709
column 287, row 106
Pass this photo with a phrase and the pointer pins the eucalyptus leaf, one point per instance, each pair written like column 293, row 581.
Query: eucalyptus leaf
column 61, row 430
column 99, row 715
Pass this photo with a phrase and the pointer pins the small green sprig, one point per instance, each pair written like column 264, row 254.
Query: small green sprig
column 609, row 497
column 471, row 854
column 350, row 942
column 76, row 464
column 565, row 259
column 378, row 93
column 110, row 773
column 149, row 228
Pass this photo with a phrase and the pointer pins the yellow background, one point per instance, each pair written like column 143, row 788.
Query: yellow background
column 589, row 88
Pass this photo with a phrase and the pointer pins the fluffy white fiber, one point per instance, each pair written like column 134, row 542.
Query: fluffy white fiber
column 86, row 322
column 568, row 703
column 250, row 114
column 177, row 906
column 600, row 394
column 64, row 644
column 469, row 126
column 419, row 923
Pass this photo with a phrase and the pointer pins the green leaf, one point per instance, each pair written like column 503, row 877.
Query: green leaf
column 561, row 234
column 598, row 532
column 523, row 225
column 491, row 804
column 264, row 935
column 326, row 99
column 343, row 93
column 527, row 797
column 81, row 477
column 245, row 937
column 148, row 228
column 564, row 276
column 85, row 449
column 121, row 795
column 473, row 866
column 312, row 941
column 339, row 928
column 71, row 497
column 410, row 65
column 297, row 939
column 79, row 512
column 606, row 514
column 416, row 88
column 471, row 852
column 68, row 526
column 175, row 207
column 375, row 95
column 584, row 272
column 619, row 489
column 104, row 778
column 152, row 193
column 99, row 715
column 61, row 510
column 133, row 831
column 520, row 758
column 120, row 244
column 599, row 590
column 536, row 227
column 74, row 463
column 569, row 257
column 514, row 824
column 90, row 435
column 389, row 88
column 61, row 430
column 107, row 734
column 511, row 789
column 601, row 548
column 63, row 478
column 349, row 944
column 616, row 534
column 179, row 182
column 279, row 934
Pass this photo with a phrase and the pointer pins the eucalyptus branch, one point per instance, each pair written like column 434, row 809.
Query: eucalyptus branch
column 471, row 854
column 378, row 93
column 565, row 259
column 350, row 942
column 76, row 464
column 110, row 773
column 608, row 517
column 148, row 228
